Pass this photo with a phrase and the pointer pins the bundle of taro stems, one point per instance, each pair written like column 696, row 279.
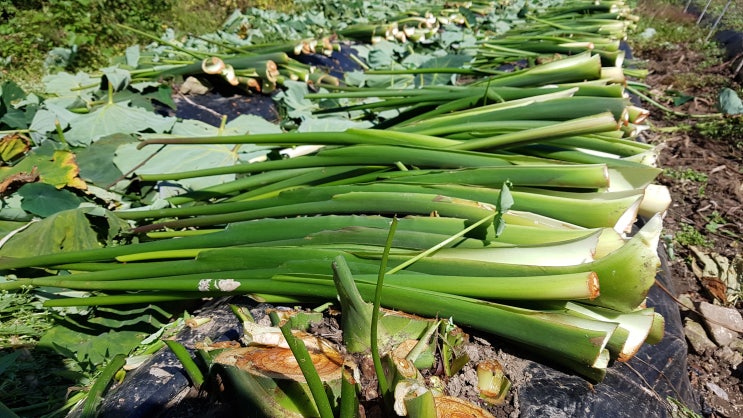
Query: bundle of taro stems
column 505, row 204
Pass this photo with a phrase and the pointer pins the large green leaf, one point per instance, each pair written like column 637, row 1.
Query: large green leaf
column 45, row 120
column 293, row 97
column 69, row 230
column 241, row 125
column 447, row 61
column 176, row 158
column 90, row 351
column 117, row 77
column 10, row 93
column 44, row 199
column 96, row 161
column 115, row 118
column 70, row 90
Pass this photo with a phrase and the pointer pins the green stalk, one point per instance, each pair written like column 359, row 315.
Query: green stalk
column 620, row 289
column 586, row 125
column 262, row 393
column 487, row 113
column 576, row 68
column 244, row 183
column 383, row 385
column 390, row 203
column 308, row 369
column 351, row 155
column 569, row 286
column 349, row 407
column 189, row 365
column 95, row 395
column 347, row 137
column 554, row 108
column 583, row 176
column 549, row 331
column 7, row 412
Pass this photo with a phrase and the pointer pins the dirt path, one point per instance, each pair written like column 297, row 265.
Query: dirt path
column 702, row 160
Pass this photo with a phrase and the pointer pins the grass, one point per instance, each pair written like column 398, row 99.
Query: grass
column 676, row 33
column 688, row 174
column 22, row 319
column 84, row 34
column 688, row 236
column 32, row 381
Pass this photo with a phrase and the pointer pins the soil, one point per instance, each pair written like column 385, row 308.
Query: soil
column 689, row 145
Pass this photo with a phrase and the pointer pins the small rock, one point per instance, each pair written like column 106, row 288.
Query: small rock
column 685, row 301
column 729, row 356
column 648, row 33
column 720, row 392
column 723, row 323
column 737, row 345
column 697, row 337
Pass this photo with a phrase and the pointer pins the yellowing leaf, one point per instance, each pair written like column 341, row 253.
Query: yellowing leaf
column 12, row 146
column 55, row 167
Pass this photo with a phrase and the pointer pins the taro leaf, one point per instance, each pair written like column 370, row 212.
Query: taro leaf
column 44, row 199
column 175, row 158
column 96, row 161
column 31, row 99
column 382, row 54
column 132, row 56
column 115, row 118
column 504, row 203
column 71, row 90
column 117, row 77
column 45, row 120
column 355, row 78
column 54, row 166
column 105, row 220
column 145, row 100
column 164, row 95
column 10, row 210
column 379, row 58
column 415, row 60
column 13, row 146
column 448, row 61
column 90, row 351
column 19, row 118
column 6, row 227
column 7, row 360
column 148, row 316
column 679, row 98
column 15, row 111
column 451, row 37
column 730, row 103
column 69, row 230
column 241, row 125
column 294, row 99
column 11, row 92
column 469, row 15
column 141, row 86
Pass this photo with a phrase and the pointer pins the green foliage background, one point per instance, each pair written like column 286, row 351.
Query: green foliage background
column 37, row 35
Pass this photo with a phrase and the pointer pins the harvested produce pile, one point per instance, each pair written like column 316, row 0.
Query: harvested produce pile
column 503, row 200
